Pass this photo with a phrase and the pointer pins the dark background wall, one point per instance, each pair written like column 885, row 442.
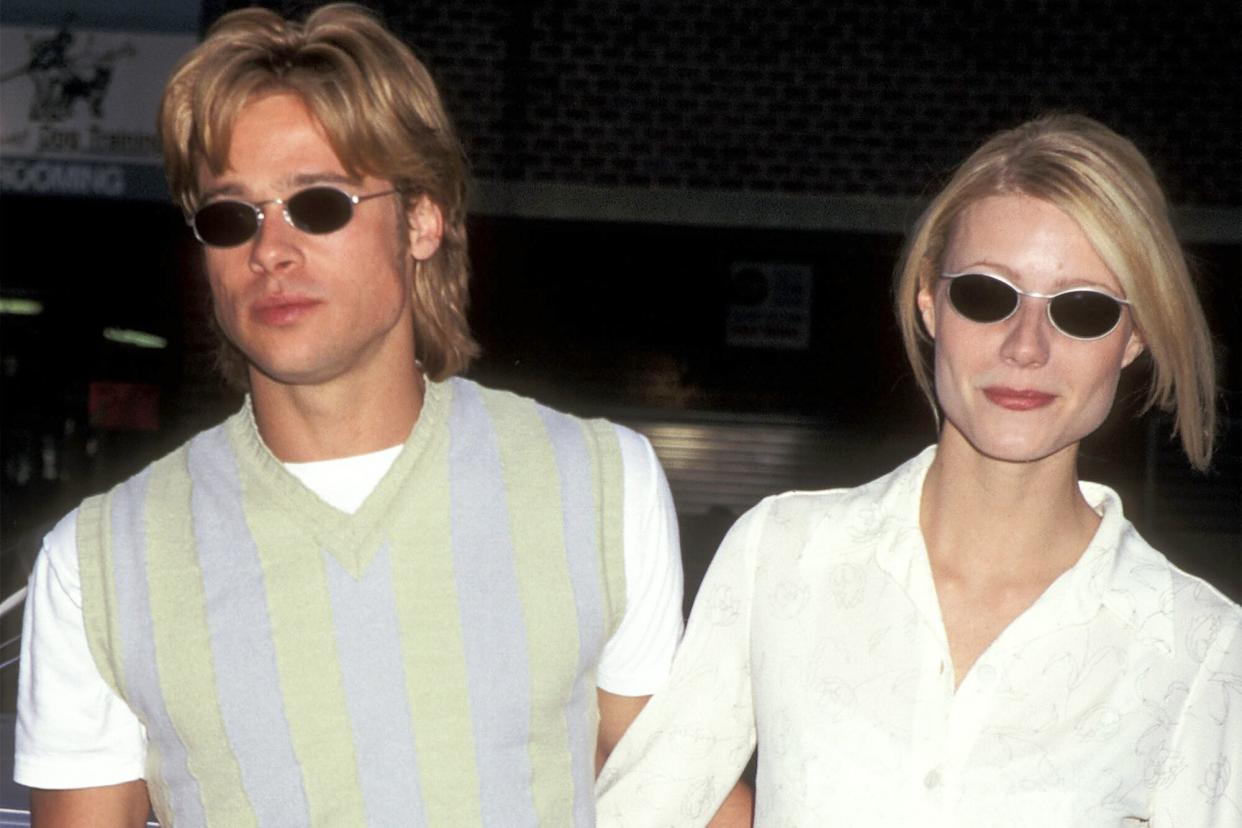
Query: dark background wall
column 846, row 97
column 628, row 156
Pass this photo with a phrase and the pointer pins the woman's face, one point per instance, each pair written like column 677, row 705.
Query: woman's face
column 1020, row 390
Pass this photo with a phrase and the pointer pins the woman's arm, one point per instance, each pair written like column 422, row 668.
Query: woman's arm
column 685, row 751
column 1199, row 779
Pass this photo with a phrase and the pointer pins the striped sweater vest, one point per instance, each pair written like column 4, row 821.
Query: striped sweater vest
column 429, row 660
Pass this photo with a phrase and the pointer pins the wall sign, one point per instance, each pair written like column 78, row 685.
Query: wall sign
column 769, row 305
column 78, row 107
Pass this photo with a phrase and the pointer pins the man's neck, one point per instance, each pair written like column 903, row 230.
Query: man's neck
column 301, row 423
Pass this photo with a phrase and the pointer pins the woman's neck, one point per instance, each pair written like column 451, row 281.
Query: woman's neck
column 998, row 534
column 996, row 520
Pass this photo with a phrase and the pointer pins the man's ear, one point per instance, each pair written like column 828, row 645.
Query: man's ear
column 927, row 308
column 426, row 226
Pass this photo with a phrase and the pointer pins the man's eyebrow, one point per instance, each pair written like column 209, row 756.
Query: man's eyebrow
column 221, row 190
column 291, row 184
column 303, row 179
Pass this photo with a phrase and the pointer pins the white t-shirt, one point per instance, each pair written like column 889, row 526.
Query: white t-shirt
column 74, row 732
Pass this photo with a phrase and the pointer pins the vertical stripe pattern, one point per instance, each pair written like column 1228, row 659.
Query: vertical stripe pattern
column 429, row 660
column 183, row 648
column 303, row 638
column 375, row 693
column 610, row 508
column 248, row 688
column 545, row 594
column 137, row 640
column 425, row 590
column 574, row 464
column 493, row 633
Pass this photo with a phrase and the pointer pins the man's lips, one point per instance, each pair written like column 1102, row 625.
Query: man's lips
column 1018, row 399
column 282, row 310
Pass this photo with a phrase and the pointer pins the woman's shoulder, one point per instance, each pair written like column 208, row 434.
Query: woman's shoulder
column 1194, row 601
column 857, row 513
column 891, row 492
column 1197, row 619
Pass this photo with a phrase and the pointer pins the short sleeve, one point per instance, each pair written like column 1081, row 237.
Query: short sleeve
column 73, row 731
column 636, row 660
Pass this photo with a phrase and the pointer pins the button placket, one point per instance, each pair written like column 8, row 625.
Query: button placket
column 934, row 722
column 968, row 713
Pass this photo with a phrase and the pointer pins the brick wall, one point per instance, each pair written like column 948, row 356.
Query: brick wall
column 842, row 98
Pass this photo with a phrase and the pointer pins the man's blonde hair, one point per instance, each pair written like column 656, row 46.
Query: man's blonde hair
column 381, row 113
column 1104, row 183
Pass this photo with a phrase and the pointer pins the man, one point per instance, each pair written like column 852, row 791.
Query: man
column 378, row 594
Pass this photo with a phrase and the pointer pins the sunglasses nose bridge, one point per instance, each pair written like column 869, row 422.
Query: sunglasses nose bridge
column 1050, row 316
column 1029, row 331
column 1039, row 303
column 266, row 234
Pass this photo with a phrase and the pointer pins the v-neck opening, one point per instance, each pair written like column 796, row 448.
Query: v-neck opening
column 352, row 539
column 1069, row 586
column 1061, row 597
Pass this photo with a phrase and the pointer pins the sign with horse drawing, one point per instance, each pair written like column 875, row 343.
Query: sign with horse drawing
column 77, row 110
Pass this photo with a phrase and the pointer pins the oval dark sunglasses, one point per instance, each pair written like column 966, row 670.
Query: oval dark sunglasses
column 320, row 209
column 1083, row 313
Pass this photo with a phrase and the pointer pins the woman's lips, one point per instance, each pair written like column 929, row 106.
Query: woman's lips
column 285, row 310
column 1018, row 399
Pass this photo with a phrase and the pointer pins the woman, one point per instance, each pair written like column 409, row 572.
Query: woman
column 977, row 638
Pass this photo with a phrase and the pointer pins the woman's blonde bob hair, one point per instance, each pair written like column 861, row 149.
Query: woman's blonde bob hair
column 1102, row 181
column 381, row 113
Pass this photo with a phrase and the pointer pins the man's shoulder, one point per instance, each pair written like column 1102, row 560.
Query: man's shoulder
column 502, row 397
column 136, row 481
column 502, row 402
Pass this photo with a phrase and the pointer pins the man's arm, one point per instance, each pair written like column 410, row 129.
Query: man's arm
column 738, row 809
column 615, row 714
column 111, row 806
column 74, row 735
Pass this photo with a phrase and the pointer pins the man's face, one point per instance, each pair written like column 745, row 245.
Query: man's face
column 310, row 309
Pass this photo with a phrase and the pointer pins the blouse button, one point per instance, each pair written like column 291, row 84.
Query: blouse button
column 932, row 780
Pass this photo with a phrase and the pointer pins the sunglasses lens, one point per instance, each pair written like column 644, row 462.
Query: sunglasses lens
column 1085, row 314
column 320, row 210
column 225, row 223
column 981, row 298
